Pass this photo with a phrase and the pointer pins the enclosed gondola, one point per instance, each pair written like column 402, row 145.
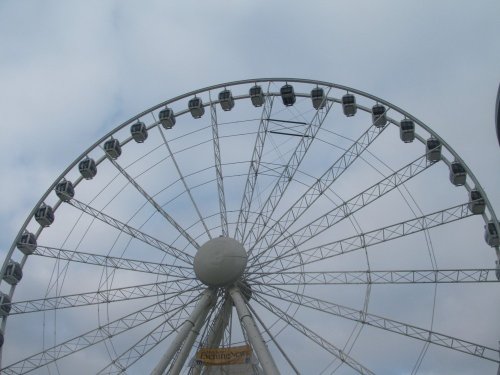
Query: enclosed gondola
column 65, row 190
column 112, row 148
column 379, row 118
column 287, row 95
column 196, row 107
column 4, row 304
column 27, row 243
column 407, row 130
column 256, row 95
column 44, row 215
column 433, row 149
column 318, row 98
column 458, row 175
column 226, row 100
column 167, row 116
column 139, row 132
column 491, row 235
column 13, row 273
column 349, row 105
column 477, row 204
column 87, row 168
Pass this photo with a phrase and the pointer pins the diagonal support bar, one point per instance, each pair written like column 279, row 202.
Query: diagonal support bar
column 307, row 332
column 390, row 325
column 176, row 253
column 158, row 208
column 115, row 262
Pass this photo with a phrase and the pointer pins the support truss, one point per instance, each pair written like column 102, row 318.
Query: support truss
column 142, row 347
column 313, row 336
column 287, row 174
column 253, row 170
column 186, row 187
column 163, row 288
column 339, row 213
column 95, row 336
column 158, row 208
column 218, row 169
column 170, row 250
column 377, row 236
column 377, row 277
column 318, row 188
column 115, row 262
column 390, row 325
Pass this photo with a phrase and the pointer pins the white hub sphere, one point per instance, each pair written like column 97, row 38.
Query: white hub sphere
column 220, row 262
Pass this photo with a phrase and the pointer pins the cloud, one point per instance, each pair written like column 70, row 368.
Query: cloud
column 71, row 72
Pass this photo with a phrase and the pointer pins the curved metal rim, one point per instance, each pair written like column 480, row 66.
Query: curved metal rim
column 238, row 83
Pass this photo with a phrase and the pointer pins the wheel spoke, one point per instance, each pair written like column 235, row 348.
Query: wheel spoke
column 317, row 189
column 387, row 324
column 116, row 263
column 354, row 204
column 133, row 232
column 374, row 237
column 253, row 170
column 313, row 336
column 94, row 337
column 218, row 169
column 163, row 288
column 165, row 329
column 186, row 187
column 480, row 275
column 158, row 208
column 287, row 174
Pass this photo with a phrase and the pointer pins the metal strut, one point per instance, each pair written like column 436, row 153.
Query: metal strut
column 248, row 324
column 185, row 330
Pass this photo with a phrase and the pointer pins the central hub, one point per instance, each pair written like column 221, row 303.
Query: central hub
column 220, row 262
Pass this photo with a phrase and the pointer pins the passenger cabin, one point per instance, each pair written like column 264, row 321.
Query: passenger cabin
column 167, row 116
column 379, row 118
column 112, row 148
column 287, row 95
column 458, row 174
column 318, row 98
column 256, row 96
column 433, row 149
column 65, row 190
column 196, row 107
column 13, row 273
column 139, row 132
column 407, row 130
column 476, row 202
column 349, row 105
column 491, row 234
column 4, row 304
column 44, row 215
column 226, row 100
column 27, row 243
column 87, row 168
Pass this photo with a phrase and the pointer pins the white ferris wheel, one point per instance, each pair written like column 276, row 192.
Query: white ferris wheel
column 266, row 226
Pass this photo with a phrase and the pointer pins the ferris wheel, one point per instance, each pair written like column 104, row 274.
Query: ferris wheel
column 265, row 226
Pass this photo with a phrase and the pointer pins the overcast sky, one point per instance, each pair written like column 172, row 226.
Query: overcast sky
column 71, row 71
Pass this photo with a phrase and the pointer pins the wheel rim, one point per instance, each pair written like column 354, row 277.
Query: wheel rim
column 216, row 191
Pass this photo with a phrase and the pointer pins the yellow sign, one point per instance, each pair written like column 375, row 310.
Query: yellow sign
column 237, row 355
